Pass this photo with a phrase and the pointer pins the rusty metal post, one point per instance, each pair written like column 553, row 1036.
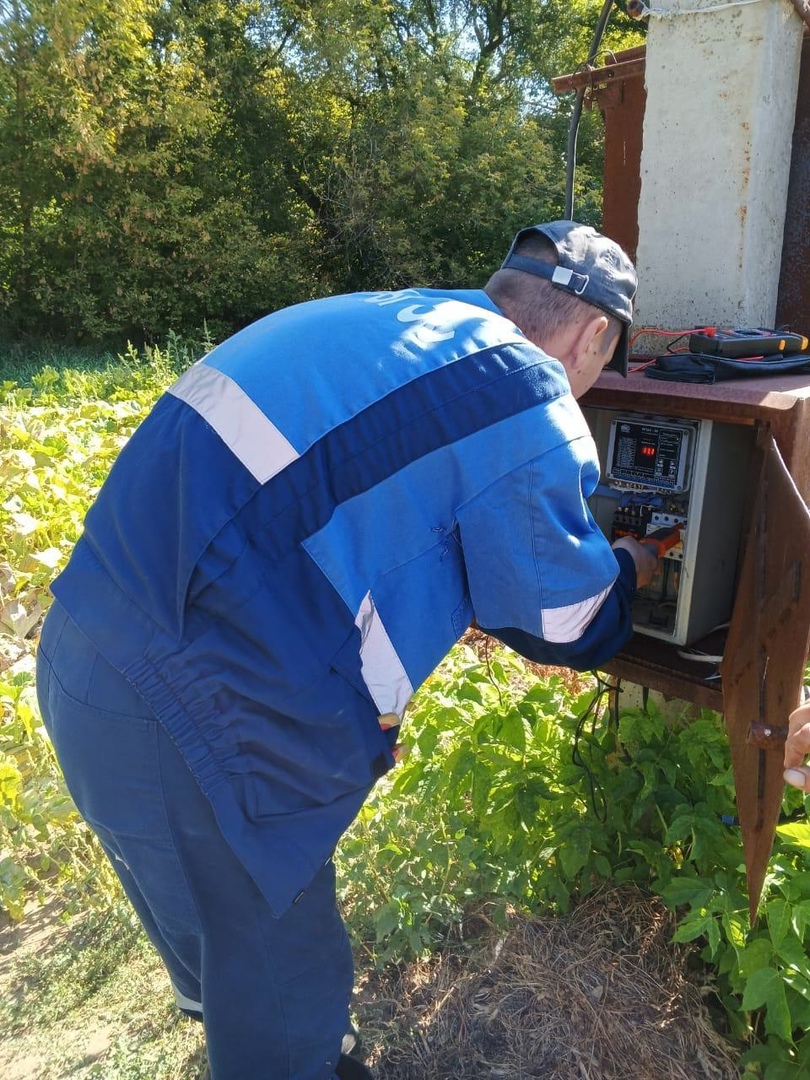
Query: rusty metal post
column 764, row 657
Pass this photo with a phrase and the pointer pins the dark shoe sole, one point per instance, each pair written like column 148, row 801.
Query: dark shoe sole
column 349, row 1068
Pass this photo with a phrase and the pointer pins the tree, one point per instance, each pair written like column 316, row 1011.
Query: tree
column 163, row 162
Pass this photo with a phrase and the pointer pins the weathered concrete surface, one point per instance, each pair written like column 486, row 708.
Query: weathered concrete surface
column 721, row 100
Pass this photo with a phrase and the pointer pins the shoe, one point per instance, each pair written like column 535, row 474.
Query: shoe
column 349, row 1068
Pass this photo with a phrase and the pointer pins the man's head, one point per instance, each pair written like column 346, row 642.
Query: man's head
column 570, row 290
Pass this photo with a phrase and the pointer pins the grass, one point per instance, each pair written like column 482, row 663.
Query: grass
column 20, row 364
column 87, row 998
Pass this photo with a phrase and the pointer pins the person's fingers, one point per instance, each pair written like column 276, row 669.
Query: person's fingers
column 797, row 744
column 797, row 747
column 799, row 716
column 798, row 778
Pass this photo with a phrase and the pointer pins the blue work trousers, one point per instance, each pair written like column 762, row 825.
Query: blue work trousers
column 273, row 992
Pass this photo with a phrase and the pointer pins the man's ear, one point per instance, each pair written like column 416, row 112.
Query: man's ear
column 589, row 339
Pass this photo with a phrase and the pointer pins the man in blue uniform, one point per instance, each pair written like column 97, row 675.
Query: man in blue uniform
column 287, row 546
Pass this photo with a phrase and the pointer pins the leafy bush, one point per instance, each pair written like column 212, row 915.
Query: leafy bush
column 524, row 792
column 58, row 439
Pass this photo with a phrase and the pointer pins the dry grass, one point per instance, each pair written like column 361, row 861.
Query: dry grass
column 598, row 995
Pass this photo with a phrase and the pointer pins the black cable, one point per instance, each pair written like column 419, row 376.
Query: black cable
column 591, row 711
column 573, row 127
column 676, row 340
column 614, row 712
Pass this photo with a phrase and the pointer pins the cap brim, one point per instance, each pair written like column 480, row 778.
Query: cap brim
column 621, row 352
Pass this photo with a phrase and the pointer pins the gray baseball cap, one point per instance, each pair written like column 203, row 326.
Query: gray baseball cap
column 590, row 266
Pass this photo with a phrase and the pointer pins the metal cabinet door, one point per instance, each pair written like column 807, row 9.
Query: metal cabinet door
column 765, row 654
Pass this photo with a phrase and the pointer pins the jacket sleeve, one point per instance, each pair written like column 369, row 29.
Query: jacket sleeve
column 542, row 576
column 604, row 635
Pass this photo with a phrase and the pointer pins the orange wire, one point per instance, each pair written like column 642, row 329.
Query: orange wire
column 653, row 330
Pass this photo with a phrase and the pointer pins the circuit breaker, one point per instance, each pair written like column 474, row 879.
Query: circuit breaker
column 687, row 475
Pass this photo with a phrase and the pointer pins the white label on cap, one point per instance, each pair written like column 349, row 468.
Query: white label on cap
column 562, row 275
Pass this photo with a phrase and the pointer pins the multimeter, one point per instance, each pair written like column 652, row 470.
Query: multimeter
column 743, row 342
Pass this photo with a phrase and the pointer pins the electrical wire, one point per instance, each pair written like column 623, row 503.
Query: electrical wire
column 698, row 656
column 640, row 367
column 655, row 12
column 654, row 331
column 592, row 712
column 683, row 348
column 672, row 347
column 576, row 114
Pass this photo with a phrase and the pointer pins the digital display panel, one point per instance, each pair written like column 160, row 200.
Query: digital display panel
column 649, row 453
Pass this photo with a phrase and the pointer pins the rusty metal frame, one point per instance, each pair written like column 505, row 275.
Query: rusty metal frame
column 762, row 672
column 617, row 67
column 764, row 656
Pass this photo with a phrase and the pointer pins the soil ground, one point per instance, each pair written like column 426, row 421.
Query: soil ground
column 598, row 995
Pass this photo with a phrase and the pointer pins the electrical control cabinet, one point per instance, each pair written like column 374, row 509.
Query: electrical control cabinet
column 686, row 476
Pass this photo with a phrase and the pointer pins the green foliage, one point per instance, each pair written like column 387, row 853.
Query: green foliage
column 58, row 439
column 521, row 791
column 166, row 163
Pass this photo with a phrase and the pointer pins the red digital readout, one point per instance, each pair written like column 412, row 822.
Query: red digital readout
column 648, row 451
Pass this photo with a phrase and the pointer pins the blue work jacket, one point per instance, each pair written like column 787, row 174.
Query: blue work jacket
column 305, row 524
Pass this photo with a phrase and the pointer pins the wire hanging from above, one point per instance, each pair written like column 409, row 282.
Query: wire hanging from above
column 573, row 127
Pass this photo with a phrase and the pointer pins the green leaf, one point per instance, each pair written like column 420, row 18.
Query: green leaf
column 779, row 916
column 480, row 790
column 796, row 834
column 791, row 951
column 687, row 890
column 800, row 984
column 10, row 782
column 755, row 957
column 469, row 691
column 427, row 739
column 512, row 731
column 575, row 852
column 784, row 1070
column 386, row 919
column 696, row 924
column 797, row 886
column 766, row 989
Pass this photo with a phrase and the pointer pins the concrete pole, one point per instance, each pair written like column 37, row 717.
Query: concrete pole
column 721, row 100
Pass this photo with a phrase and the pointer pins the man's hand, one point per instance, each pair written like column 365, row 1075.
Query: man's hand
column 797, row 748
column 643, row 555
